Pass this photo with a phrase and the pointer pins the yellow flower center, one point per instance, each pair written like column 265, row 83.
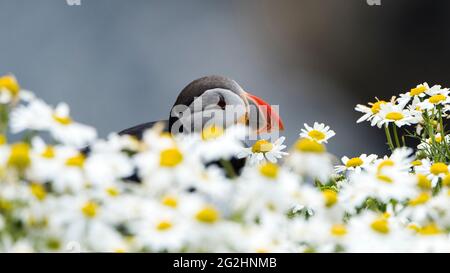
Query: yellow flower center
column 338, row 230
column 19, row 156
column 38, row 191
column 112, row 191
column 76, row 161
column 170, row 201
column 384, row 178
column 269, row 170
column 419, row 200
column 62, row 120
column 438, row 138
column 439, row 168
column 89, row 209
column 376, row 106
column 394, row 116
column 416, row 163
column 262, row 146
column 414, row 227
column 164, row 225
column 430, row 229
column 330, row 196
column 208, row 215
column 3, row 139
column 380, row 225
column 170, row 157
column 49, row 152
column 417, row 91
column 9, row 83
column 354, row 162
column 446, row 180
column 385, row 163
column 5, row 205
column 212, row 132
column 316, row 135
column 423, row 182
column 309, row 146
column 437, row 98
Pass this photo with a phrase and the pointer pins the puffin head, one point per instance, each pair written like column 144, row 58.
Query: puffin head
column 217, row 100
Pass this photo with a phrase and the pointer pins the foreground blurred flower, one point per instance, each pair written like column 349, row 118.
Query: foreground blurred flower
column 309, row 158
column 39, row 116
column 169, row 193
column 9, row 89
column 356, row 163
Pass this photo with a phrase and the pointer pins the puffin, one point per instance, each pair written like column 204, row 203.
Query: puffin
column 204, row 98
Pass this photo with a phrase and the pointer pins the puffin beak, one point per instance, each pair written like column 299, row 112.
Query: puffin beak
column 271, row 117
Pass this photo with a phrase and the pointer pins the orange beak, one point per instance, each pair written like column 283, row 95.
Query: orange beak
column 272, row 119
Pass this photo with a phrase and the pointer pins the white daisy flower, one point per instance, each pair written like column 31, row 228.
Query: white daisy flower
column 397, row 114
column 436, row 90
column 319, row 132
column 437, row 97
column 417, row 92
column 309, row 158
column 370, row 112
column 215, row 143
column 432, row 170
column 400, row 160
column 416, row 111
column 9, row 89
column 162, row 228
column 37, row 115
column 356, row 164
column 437, row 138
column 264, row 150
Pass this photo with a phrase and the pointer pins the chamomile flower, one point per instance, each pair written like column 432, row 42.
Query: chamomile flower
column 436, row 90
column 437, row 97
column 309, row 158
column 424, row 145
column 400, row 160
column 215, row 143
column 39, row 116
column 319, row 132
column 9, row 89
column 415, row 93
column 433, row 170
column 397, row 114
column 264, row 150
column 370, row 112
column 355, row 164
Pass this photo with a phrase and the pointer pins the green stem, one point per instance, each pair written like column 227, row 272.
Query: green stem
column 388, row 137
column 228, row 168
column 397, row 140
column 441, row 124
column 4, row 117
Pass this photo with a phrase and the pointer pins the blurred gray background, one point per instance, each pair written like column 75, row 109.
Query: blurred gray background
column 119, row 63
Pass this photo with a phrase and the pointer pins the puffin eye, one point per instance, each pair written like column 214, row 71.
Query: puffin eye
column 222, row 103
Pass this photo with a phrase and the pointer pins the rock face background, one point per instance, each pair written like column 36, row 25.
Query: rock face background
column 120, row 63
